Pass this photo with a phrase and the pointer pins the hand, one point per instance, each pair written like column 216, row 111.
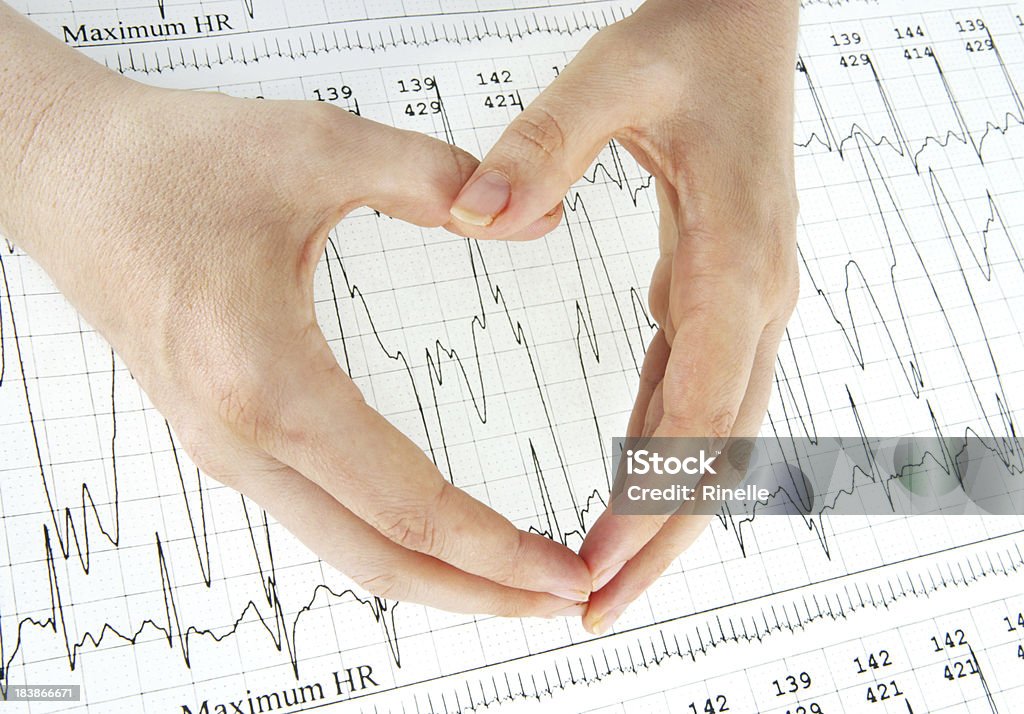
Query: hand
column 186, row 228
column 701, row 94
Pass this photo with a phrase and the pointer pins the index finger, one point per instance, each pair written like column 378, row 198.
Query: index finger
column 704, row 383
column 352, row 452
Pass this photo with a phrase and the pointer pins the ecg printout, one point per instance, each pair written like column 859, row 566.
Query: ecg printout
column 124, row 570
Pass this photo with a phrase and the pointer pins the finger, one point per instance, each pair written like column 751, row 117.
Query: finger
column 337, row 441
column 661, row 278
column 712, row 354
column 382, row 567
column 403, row 174
column 668, row 224
column 546, row 149
column 641, row 571
column 655, row 410
column 704, row 385
column 651, row 374
column 680, row 531
column 658, row 296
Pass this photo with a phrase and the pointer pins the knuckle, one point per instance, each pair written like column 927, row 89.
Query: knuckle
column 242, row 404
column 463, row 163
column 538, row 131
column 718, row 424
column 414, row 529
column 382, row 584
column 721, row 423
column 696, row 405
column 513, row 561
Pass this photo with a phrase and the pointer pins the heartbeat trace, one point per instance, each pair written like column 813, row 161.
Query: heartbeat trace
column 854, row 302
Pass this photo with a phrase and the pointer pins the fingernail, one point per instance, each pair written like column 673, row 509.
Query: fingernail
column 484, row 198
column 603, row 578
column 553, row 211
column 575, row 610
column 604, row 622
column 574, row 595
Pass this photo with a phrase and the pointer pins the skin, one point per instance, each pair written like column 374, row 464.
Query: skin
column 701, row 94
column 186, row 228
column 137, row 236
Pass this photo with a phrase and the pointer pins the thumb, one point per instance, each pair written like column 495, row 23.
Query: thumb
column 403, row 174
column 518, row 188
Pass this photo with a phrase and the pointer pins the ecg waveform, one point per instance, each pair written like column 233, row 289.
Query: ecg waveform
column 520, row 365
column 329, row 41
column 657, row 649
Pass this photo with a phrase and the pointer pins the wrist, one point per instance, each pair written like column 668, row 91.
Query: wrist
column 54, row 138
column 55, row 107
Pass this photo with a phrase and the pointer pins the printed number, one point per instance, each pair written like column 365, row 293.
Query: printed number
column 1020, row 651
column 1014, row 624
column 980, row 45
column 960, row 669
column 792, row 684
column 909, row 32
column 973, row 24
column 874, row 661
column 497, row 101
column 421, row 109
column 845, row 39
column 956, row 638
column 711, row 706
column 502, row 76
column 854, row 60
column 916, row 53
column 882, row 692
column 812, row 708
column 333, row 94
column 416, row 84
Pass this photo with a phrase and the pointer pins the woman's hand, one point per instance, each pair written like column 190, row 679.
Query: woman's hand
column 186, row 228
column 701, row 93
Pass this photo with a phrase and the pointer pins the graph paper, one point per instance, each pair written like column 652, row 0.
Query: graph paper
column 127, row 572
